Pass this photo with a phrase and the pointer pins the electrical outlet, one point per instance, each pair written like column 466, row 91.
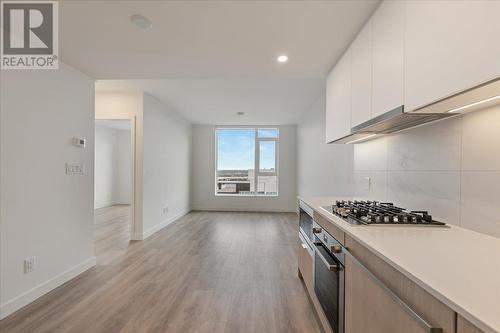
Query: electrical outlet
column 165, row 210
column 367, row 184
column 29, row 265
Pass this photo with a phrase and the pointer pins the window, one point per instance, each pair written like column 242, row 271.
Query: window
column 239, row 153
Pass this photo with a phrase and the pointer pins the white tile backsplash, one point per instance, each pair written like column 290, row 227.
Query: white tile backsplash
column 371, row 155
column 433, row 146
column 481, row 201
column 451, row 168
column 435, row 191
column 481, row 140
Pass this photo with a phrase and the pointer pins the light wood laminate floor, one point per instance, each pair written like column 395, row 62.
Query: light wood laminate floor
column 206, row 272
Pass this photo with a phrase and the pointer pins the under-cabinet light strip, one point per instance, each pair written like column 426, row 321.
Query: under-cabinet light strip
column 363, row 138
column 475, row 103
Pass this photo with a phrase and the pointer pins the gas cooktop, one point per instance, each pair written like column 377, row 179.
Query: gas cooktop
column 380, row 213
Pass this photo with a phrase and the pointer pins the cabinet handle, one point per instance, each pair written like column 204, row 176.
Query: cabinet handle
column 327, row 264
column 422, row 322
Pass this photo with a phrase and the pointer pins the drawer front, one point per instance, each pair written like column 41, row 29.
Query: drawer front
column 424, row 304
column 370, row 307
column 464, row 326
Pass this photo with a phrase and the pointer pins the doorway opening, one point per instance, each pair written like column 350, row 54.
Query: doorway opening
column 113, row 188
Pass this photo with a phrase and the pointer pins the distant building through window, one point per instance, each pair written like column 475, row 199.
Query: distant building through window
column 242, row 151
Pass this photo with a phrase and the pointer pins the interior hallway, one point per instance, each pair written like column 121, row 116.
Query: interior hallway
column 206, row 272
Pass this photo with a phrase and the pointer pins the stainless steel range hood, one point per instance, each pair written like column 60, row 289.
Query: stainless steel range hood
column 389, row 122
column 396, row 120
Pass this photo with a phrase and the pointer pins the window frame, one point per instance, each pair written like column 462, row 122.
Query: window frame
column 257, row 172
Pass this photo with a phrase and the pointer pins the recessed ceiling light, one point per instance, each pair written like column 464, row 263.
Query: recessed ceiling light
column 240, row 113
column 282, row 58
column 141, row 21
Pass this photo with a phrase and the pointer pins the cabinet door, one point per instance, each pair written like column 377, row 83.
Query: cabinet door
column 423, row 303
column 450, row 46
column 306, row 266
column 370, row 307
column 388, row 57
column 338, row 100
column 361, row 69
column 464, row 326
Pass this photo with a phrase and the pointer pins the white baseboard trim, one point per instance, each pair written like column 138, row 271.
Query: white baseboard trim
column 245, row 209
column 121, row 202
column 111, row 203
column 163, row 224
column 29, row 296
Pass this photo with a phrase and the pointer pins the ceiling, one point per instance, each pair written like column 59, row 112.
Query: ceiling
column 227, row 48
column 207, row 39
column 216, row 101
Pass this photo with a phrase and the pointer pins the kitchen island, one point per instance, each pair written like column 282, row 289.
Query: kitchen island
column 458, row 267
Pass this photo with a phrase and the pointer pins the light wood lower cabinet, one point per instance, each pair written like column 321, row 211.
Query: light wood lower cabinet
column 367, row 304
column 464, row 326
column 370, row 307
column 306, row 266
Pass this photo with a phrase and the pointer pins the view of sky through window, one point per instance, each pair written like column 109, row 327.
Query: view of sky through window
column 268, row 133
column 267, row 155
column 236, row 149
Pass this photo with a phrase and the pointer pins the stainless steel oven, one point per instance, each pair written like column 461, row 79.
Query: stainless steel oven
column 329, row 260
column 306, row 221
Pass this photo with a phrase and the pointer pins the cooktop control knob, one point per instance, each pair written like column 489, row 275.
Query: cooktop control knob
column 336, row 248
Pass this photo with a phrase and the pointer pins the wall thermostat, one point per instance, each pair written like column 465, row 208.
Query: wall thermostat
column 79, row 142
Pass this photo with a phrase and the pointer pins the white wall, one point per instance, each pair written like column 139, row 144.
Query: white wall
column 122, row 184
column 451, row 168
column 112, row 166
column 203, row 196
column 44, row 212
column 322, row 170
column 162, row 158
column 167, row 165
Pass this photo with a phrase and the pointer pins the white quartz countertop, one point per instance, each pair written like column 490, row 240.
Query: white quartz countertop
column 459, row 267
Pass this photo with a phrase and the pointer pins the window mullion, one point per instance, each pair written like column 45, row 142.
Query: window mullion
column 257, row 162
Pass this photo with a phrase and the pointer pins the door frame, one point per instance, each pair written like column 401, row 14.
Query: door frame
column 133, row 198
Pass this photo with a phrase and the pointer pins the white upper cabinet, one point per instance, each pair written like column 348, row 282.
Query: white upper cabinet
column 388, row 57
column 361, row 71
column 338, row 99
column 413, row 53
column 450, row 46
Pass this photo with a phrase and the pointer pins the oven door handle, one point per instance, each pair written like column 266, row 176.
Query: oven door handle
column 331, row 267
